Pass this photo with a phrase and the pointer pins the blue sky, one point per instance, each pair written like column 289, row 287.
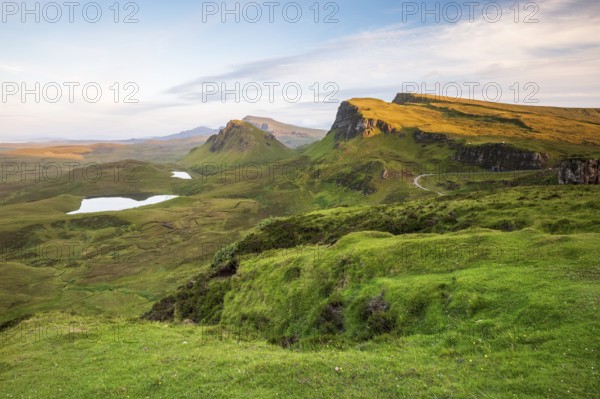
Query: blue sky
column 177, row 54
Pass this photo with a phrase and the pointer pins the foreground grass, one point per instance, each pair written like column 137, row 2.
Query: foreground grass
column 58, row 355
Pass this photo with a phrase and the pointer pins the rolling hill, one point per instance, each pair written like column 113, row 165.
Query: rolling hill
column 238, row 143
column 342, row 278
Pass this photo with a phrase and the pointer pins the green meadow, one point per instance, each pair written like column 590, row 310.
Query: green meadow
column 311, row 273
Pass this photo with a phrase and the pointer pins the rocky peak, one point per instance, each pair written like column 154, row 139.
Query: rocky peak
column 234, row 135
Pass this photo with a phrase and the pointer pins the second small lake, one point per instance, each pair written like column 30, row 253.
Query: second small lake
column 108, row 204
column 182, row 175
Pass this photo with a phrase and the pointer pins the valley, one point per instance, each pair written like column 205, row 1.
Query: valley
column 423, row 247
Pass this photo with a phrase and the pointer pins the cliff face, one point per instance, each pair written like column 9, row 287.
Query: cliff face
column 575, row 171
column 491, row 156
column 500, row 157
column 350, row 123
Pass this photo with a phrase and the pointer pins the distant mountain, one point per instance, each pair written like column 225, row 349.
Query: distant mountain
column 199, row 131
column 238, row 143
column 187, row 134
column 290, row 135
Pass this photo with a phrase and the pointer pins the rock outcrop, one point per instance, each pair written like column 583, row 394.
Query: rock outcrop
column 350, row 123
column 498, row 157
column 579, row 171
column 431, row 138
column 403, row 98
column 493, row 156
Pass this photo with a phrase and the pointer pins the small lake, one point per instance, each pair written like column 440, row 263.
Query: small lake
column 111, row 204
column 182, row 175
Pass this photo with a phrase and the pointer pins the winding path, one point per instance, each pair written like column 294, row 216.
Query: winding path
column 416, row 182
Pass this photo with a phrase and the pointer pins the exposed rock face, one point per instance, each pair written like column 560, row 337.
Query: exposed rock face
column 490, row 156
column 578, row 171
column 403, row 98
column 500, row 157
column 431, row 138
column 350, row 123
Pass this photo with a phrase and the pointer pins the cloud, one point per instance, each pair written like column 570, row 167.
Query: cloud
column 169, row 62
column 11, row 68
column 562, row 45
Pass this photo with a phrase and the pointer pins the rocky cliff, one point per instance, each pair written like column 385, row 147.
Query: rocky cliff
column 579, row 171
column 498, row 157
column 350, row 123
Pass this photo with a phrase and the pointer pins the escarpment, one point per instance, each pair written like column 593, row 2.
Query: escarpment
column 350, row 123
column 579, row 171
column 499, row 156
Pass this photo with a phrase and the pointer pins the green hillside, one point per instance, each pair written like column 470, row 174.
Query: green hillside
column 326, row 273
column 478, row 295
column 238, row 143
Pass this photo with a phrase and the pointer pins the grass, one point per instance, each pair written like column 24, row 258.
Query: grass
column 475, row 324
column 340, row 280
column 46, row 180
column 116, row 263
column 475, row 305
column 476, row 119
column 471, row 306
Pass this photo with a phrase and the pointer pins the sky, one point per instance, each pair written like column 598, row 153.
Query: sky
column 118, row 70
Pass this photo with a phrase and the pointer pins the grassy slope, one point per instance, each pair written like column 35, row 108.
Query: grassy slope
column 476, row 118
column 48, row 179
column 83, row 357
column 471, row 313
column 447, row 323
column 114, row 263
